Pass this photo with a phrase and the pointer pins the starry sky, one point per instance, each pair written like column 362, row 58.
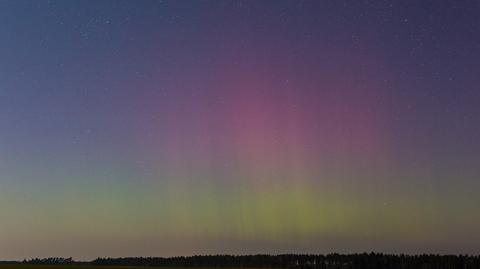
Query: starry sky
column 159, row 128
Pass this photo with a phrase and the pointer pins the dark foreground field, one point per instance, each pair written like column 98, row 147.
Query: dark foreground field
column 38, row 266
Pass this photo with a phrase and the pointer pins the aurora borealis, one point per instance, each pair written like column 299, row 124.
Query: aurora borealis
column 159, row 128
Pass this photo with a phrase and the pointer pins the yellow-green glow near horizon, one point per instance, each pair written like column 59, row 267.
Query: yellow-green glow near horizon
column 146, row 128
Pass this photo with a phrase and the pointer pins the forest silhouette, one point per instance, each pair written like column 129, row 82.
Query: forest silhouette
column 330, row 261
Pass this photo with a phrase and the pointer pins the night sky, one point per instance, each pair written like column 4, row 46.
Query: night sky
column 159, row 128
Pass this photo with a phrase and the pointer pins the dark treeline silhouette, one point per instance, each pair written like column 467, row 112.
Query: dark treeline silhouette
column 50, row 261
column 294, row 261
